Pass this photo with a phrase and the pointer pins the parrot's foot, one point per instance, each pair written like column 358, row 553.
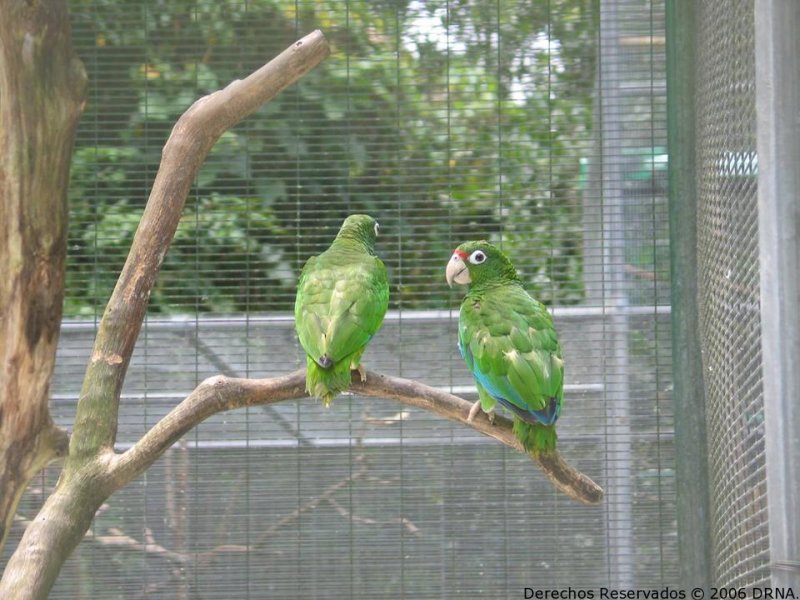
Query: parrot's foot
column 362, row 372
column 474, row 411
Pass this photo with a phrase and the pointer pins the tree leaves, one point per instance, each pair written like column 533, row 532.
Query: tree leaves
column 444, row 125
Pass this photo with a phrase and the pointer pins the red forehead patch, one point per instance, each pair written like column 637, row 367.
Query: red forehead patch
column 460, row 253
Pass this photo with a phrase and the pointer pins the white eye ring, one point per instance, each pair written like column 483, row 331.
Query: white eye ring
column 377, row 229
column 477, row 257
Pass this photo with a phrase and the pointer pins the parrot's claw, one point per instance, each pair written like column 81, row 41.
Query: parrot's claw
column 473, row 411
column 362, row 372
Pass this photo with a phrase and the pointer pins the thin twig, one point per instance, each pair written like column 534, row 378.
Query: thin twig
column 406, row 523
column 310, row 505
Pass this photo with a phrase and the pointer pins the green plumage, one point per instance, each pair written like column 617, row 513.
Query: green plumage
column 509, row 344
column 342, row 297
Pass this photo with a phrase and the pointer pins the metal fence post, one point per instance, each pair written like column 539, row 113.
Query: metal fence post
column 690, row 415
column 615, row 299
column 778, row 117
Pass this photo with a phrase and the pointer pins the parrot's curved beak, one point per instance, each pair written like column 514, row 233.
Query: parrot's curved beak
column 457, row 271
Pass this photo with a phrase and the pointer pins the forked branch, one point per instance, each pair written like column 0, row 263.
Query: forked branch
column 93, row 471
column 86, row 480
column 187, row 147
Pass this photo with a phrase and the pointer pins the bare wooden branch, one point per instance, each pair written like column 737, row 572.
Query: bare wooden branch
column 311, row 504
column 222, row 393
column 187, row 147
column 567, row 479
column 116, row 538
column 407, row 524
column 213, row 395
column 225, row 393
column 88, row 478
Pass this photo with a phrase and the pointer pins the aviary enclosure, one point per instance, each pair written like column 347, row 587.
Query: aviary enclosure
column 539, row 124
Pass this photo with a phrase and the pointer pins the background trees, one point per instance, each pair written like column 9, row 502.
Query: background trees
column 401, row 122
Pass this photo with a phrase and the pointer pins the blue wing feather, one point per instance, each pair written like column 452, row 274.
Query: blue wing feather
column 500, row 389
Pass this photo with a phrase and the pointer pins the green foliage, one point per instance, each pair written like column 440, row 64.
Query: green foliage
column 446, row 126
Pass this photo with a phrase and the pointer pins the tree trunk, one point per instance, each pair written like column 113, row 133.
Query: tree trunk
column 42, row 88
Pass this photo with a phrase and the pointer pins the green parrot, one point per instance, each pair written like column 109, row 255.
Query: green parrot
column 509, row 344
column 342, row 297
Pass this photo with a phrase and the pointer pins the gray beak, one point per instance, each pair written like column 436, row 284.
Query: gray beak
column 457, row 271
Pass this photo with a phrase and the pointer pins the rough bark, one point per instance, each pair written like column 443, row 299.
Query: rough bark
column 42, row 90
column 88, row 477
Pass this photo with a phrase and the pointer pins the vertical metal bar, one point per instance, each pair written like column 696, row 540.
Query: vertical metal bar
column 693, row 508
column 615, row 299
column 778, row 118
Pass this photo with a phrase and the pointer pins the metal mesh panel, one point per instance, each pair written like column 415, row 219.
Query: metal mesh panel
column 729, row 290
column 534, row 123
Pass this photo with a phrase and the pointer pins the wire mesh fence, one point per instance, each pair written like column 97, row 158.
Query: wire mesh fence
column 728, row 265
column 382, row 501
column 537, row 124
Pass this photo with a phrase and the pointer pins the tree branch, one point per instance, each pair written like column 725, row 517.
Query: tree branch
column 185, row 151
column 311, row 504
column 92, row 471
column 407, row 524
column 222, row 393
column 215, row 394
column 567, row 479
column 86, row 479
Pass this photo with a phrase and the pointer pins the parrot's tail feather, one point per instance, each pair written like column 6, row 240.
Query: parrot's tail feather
column 549, row 414
column 327, row 383
column 536, row 438
column 546, row 416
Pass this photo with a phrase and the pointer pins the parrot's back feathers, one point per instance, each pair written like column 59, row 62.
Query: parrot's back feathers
column 342, row 297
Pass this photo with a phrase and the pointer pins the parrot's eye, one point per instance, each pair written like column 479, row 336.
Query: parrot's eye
column 477, row 257
column 377, row 229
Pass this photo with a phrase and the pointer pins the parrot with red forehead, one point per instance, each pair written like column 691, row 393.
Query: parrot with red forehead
column 509, row 344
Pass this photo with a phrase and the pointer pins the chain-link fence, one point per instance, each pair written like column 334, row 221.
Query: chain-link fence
column 728, row 281
column 734, row 142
